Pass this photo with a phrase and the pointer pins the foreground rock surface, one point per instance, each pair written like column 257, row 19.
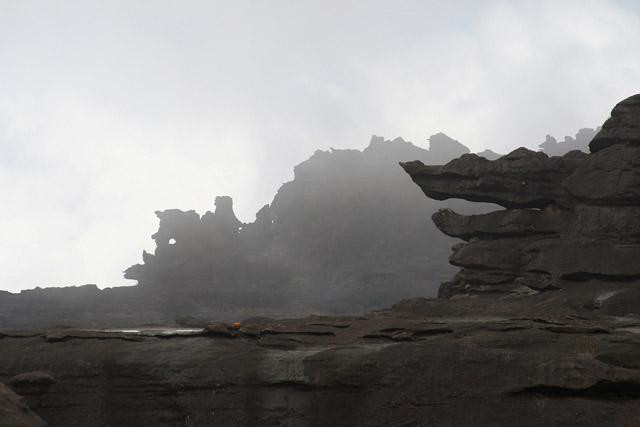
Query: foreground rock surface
column 481, row 361
column 14, row 412
column 559, row 358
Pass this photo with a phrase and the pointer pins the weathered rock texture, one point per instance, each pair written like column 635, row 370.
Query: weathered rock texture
column 480, row 362
column 573, row 218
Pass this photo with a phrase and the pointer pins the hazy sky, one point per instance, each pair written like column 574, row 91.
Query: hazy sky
column 111, row 110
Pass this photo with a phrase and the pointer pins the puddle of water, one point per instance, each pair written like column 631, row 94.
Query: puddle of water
column 157, row 331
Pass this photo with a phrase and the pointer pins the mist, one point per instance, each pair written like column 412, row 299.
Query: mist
column 111, row 111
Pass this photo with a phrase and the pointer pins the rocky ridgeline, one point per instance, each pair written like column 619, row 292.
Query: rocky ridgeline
column 569, row 219
column 347, row 234
column 14, row 412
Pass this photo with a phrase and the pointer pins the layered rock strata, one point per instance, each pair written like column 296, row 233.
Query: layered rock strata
column 445, row 363
column 573, row 218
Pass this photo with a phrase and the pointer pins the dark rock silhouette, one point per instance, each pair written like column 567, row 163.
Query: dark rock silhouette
column 568, row 219
column 336, row 237
column 347, row 234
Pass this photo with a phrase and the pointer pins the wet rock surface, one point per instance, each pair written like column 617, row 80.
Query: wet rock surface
column 477, row 361
column 568, row 219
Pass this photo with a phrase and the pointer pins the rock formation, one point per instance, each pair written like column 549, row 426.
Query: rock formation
column 525, row 362
column 542, row 327
column 346, row 235
column 567, row 219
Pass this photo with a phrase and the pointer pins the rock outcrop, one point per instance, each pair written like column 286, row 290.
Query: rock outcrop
column 622, row 128
column 568, row 219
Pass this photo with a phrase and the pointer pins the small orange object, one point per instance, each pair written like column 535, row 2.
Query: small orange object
column 236, row 325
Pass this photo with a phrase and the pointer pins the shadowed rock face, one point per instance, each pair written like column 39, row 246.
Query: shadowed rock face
column 569, row 218
column 623, row 127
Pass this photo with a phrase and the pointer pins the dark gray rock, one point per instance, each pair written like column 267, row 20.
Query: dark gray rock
column 478, row 361
column 568, row 219
column 14, row 412
column 501, row 224
column 608, row 177
column 623, row 127
column 520, row 179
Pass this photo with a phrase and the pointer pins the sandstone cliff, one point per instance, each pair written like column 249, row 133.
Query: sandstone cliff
column 567, row 219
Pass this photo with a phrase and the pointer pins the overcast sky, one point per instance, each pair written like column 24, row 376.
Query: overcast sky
column 111, row 110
